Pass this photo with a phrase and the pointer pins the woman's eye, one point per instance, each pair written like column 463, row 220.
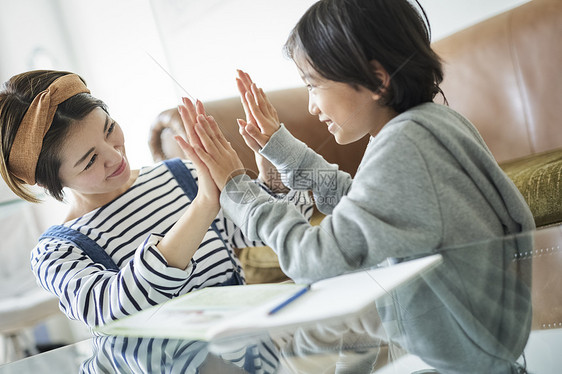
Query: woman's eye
column 309, row 87
column 91, row 162
column 111, row 128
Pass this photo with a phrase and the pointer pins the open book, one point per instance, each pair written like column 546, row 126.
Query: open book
column 222, row 312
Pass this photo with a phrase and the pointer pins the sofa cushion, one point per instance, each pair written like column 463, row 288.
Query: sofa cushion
column 261, row 265
column 538, row 177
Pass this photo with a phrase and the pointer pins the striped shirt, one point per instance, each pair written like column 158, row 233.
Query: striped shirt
column 128, row 229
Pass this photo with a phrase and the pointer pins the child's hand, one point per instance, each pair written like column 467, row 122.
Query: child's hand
column 252, row 132
column 261, row 117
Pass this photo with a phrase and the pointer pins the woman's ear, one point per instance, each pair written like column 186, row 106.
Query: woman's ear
column 383, row 76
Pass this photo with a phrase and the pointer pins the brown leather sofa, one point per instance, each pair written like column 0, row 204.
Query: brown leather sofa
column 502, row 74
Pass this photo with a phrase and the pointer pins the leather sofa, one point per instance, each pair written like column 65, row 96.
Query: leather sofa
column 502, row 74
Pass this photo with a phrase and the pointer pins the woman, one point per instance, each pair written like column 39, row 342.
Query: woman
column 427, row 183
column 132, row 238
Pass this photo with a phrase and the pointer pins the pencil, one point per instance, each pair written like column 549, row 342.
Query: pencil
column 289, row 300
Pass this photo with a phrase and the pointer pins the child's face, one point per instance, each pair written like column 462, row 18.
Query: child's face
column 93, row 156
column 350, row 113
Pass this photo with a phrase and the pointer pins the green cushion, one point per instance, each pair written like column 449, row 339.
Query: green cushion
column 538, row 177
column 261, row 265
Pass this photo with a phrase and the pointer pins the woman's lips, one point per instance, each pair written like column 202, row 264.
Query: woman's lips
column 120, row 169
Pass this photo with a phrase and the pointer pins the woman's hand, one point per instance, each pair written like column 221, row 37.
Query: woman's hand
column 208, row 145
column 208, row 194
column 188, row 113
column 256, row 134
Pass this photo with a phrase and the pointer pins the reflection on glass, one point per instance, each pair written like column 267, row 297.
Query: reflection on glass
column 470, row 314
column 473, row 311
column 118, row 354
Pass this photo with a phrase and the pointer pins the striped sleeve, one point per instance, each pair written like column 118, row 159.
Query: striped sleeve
column 90, row 293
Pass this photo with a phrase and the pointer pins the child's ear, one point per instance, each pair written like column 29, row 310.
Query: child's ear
column 383, row 76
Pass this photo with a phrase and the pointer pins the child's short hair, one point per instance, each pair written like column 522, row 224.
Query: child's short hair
column 341, row 38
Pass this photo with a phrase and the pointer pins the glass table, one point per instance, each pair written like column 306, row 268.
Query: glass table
column 491, row 306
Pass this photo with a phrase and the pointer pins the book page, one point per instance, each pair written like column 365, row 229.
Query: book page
column 193, row 315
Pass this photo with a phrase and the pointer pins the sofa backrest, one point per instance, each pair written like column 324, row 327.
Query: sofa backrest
column 504, row 75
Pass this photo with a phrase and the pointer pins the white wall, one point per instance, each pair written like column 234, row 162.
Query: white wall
column 207, row 41
column 32, row 36
column 113, row 42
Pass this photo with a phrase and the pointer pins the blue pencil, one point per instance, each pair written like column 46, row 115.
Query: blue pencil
column 289, row 300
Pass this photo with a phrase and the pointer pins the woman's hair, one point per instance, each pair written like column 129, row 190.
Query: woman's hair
column 341, row 38
column 16, row 96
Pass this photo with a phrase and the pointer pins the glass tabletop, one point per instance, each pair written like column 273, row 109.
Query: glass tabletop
column 491, row 306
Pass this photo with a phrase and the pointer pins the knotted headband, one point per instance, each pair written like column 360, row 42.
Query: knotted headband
column 37, row 121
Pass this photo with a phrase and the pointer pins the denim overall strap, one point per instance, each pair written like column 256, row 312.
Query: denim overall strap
column 186, row 181
column 90, row 247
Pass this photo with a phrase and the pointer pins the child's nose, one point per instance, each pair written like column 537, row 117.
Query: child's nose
column 312, row 107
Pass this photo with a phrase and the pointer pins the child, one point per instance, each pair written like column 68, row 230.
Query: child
column 132, row 238
column 426, row 183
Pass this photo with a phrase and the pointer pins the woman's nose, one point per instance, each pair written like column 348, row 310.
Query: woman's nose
column 114, row 156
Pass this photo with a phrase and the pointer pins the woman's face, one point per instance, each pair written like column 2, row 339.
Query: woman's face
column 350, row 113
column 93, row 156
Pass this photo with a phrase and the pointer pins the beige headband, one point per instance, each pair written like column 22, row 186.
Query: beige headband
column 37, row 121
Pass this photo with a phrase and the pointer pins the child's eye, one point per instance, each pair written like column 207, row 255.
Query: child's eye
column 91, row 162
column 309, row 87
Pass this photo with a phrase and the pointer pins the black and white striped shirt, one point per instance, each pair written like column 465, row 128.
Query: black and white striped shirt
column 128, row 229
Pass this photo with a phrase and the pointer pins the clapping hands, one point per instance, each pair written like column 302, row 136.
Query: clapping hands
column 213, row 156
